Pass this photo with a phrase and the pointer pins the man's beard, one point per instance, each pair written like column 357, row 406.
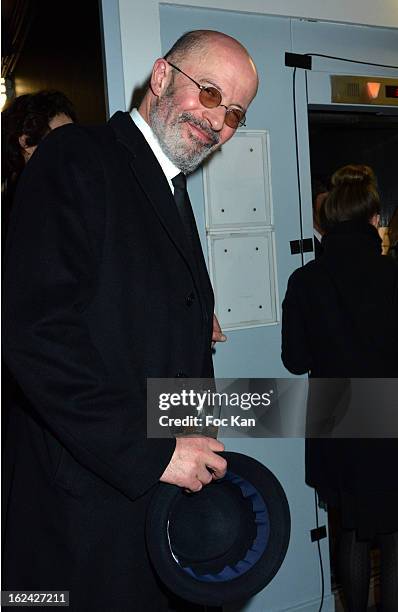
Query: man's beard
column 187, row 155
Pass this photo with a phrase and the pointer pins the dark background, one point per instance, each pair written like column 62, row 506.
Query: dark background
column 340, row 138
column 48, row 44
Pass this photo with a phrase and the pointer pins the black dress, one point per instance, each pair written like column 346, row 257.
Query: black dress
column 340, row 319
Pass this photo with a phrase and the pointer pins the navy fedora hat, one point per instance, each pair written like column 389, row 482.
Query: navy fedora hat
column 224, row 543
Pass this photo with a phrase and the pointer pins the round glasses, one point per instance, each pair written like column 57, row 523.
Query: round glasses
column 210, row 97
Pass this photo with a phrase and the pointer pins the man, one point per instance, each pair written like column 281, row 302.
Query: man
column 107, row 287
column 25, row 122
column 28, row 119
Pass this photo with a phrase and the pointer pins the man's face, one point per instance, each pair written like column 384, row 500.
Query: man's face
column 57, row 121
column 187, row 131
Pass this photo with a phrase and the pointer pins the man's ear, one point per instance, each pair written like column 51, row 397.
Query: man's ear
column 160, row 76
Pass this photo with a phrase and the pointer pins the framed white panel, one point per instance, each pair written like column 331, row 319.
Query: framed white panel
column 242, row 269
column 237, row 183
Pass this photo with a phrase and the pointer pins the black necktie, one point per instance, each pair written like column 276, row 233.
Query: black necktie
column 184, row 208
column 188, row 221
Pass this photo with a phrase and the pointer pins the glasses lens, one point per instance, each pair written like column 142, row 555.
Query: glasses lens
column 210, row 97
column 234, row 118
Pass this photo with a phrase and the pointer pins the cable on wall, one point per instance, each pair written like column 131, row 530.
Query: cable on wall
column 319, row 554
column 298, row 167
column 352, row 61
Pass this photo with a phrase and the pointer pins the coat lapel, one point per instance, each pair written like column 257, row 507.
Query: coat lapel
column 149, row 174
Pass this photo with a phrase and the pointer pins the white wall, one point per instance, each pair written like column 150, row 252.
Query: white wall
column 368, row 12
column 140, row 24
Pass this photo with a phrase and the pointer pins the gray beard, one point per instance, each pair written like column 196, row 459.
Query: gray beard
column 186, row 158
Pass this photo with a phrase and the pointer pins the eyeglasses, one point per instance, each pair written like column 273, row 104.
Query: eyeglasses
column 210, row 97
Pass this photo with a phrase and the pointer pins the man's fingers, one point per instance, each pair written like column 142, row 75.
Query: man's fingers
column 218, row 467
column 196, row 487
column 204, row 477
column 217, row 336
column 195, row 463
column 215, row 445
column 216, row 464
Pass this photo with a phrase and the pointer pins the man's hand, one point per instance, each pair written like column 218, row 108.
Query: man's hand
column 195, row 463
column 218, row 336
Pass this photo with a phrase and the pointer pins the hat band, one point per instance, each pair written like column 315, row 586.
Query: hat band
column 258, row 546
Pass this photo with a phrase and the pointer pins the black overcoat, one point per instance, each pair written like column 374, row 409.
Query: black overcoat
column 101, row 293
column 340, row 319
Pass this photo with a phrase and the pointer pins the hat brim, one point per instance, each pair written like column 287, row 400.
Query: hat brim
column 242, row 585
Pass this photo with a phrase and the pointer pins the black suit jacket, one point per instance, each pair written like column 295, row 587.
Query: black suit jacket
column 101, row 295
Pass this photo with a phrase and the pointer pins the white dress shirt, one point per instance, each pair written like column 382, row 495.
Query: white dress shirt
column 169, row 169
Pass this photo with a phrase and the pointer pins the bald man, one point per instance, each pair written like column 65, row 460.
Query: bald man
column 106, row 288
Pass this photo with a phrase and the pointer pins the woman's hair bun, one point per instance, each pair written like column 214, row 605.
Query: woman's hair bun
column 354, row 174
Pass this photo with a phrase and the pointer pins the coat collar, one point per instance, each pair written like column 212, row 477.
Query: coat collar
column 149, row 174
column 353, row 233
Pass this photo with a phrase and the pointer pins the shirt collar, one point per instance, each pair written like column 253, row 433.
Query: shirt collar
column 169, row 169
column 317, row 234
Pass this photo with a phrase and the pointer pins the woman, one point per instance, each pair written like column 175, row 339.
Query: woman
column 26, row 120
column 340, row 320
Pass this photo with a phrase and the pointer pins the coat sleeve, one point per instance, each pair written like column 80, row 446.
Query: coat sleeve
column 295, row 340
column 53, row 259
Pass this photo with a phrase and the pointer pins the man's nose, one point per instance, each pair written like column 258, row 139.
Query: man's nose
column 215, row 117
